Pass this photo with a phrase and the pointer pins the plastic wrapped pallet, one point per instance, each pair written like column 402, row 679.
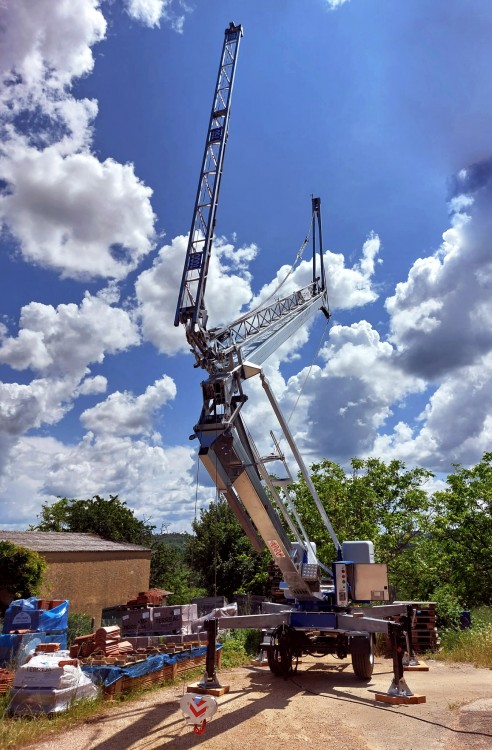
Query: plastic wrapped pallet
column 136, row 621
column 48, row 683
column 174, row 619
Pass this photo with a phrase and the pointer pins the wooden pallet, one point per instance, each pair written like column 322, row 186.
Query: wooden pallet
column 424, row 631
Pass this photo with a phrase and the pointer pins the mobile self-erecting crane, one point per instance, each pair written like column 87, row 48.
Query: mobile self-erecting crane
column 318, row 616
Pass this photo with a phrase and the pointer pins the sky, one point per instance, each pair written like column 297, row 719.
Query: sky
column 383, row 109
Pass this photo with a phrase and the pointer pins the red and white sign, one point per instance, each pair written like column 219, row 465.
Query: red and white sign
column 198, row 707
column 275, row 548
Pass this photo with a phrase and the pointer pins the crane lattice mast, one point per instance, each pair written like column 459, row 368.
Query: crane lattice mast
column 191, row 310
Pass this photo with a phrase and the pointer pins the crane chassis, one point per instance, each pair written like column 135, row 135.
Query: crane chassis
column 327, row 609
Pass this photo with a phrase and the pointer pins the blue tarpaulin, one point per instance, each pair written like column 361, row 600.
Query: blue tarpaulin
column 14, row 647
column 107, row 675
column 23, row 614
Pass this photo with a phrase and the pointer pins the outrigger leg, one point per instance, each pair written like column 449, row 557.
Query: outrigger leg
column 410, row 661
column 398, row 691
column 209, row 683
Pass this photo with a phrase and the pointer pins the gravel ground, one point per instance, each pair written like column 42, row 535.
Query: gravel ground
column 322, row 707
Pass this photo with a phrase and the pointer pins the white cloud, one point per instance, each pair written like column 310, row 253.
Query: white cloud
column 441, row 316
column 49, row 42
column 455, row 426
column 126, row 414
column 92, row 386
column 150, row 12
column 64, row 340
column 58, row 344
column 158, row 484
column 441, row 322
column 343, row 404
column 21, row 479
column 67, row 210
column 69, row 213
column 335, row 3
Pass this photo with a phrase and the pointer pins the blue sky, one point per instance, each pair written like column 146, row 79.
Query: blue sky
column 382, row 108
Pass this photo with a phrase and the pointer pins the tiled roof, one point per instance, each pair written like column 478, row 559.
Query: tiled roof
column 64, row 541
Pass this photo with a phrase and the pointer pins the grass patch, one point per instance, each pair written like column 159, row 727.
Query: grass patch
column 239, row 646
column 24, row 730
column 473, row 645
column 20, row 731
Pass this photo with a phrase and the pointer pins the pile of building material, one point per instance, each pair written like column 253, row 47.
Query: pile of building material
column 154, row 620
column 424, row 627
column 152, row 597
column 48, row 683
column 28, row 622
column 105, row 642
column 6, row 679
column 35, row 615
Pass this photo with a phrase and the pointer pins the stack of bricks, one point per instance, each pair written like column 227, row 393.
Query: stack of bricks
column 176, row 619
column 47, row 648
column 49, row 603
column 6, row 680
column 105, row 641
column 137, row 621
column 83, row 646
column 152, row 597
column 424, row 631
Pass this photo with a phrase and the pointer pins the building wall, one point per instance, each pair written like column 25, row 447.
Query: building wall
column 93, row 580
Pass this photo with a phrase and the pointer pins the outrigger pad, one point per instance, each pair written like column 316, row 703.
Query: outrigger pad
column 399, row 699
column 259, row 662
column 217, row 691
column 420, row 667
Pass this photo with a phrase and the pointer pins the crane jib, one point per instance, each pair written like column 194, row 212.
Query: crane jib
column 191, row 308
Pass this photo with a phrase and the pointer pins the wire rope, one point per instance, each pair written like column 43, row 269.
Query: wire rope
column 298, row 257
column 196, row 508
column 315, row 356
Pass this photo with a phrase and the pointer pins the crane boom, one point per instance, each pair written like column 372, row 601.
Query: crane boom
column 233, row 353
column 191, row 309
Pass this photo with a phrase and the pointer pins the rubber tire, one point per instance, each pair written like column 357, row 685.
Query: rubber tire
column 363, row 664
column 274, row 661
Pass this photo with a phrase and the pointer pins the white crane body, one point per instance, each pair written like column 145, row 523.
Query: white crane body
column 318, row 614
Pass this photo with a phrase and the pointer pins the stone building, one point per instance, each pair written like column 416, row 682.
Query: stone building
column 91, row 572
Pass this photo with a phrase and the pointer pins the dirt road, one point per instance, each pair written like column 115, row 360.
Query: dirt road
column 322, row 707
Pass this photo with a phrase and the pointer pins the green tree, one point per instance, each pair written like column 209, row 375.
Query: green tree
column 169, row 571
column 110, row 519
column 222, row 556
column 21, row 573
column 462, row 532
column 384, row 503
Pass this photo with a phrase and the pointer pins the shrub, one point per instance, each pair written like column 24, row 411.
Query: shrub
column 448, row 608
column 78, row 624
